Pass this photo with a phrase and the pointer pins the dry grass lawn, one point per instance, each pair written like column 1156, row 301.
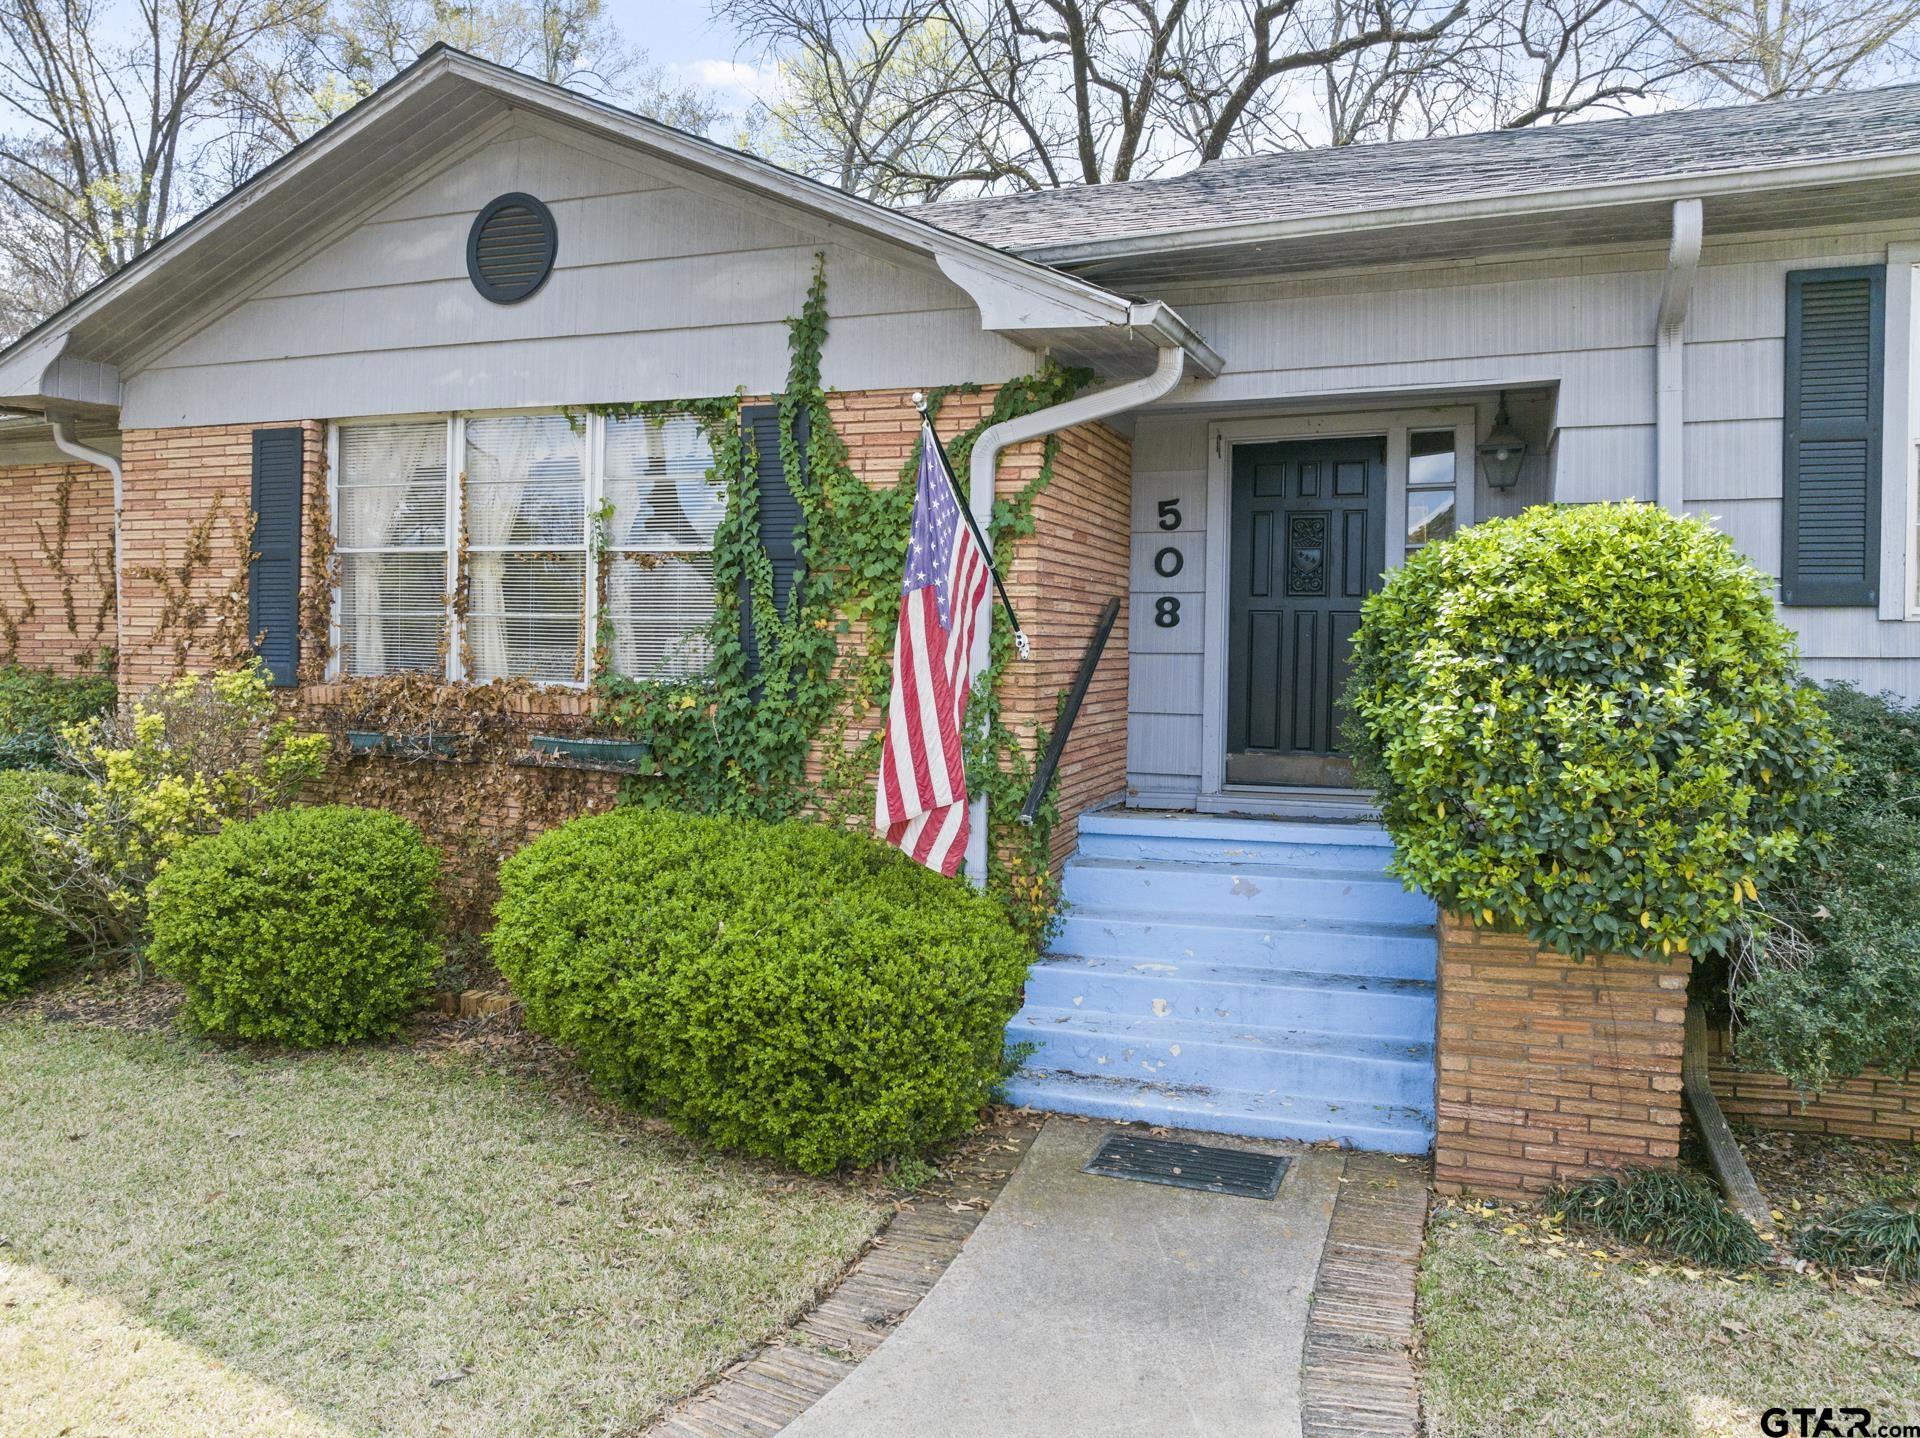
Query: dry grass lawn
column 196, row 1241
column 1559, row 1336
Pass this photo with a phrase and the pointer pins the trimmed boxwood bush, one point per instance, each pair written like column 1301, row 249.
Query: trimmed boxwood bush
column 305, row 926
column 1586, row 724
column 30, row 941
column 789, row 989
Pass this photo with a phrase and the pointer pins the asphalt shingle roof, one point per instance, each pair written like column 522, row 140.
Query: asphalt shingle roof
column 1297, row 183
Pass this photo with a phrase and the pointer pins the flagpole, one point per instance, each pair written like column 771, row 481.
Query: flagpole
column 975, row 507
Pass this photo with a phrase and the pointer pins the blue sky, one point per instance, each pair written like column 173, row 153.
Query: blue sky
column 678, row 34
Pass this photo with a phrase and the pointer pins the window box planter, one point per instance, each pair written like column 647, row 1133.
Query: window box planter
column 400, row 746
column 621, row 756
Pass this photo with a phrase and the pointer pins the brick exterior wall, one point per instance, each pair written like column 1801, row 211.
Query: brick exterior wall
column 1549, row 1068
column 56, row 581
column 1874, row 1105
column 1080, row 556
column 186, row 537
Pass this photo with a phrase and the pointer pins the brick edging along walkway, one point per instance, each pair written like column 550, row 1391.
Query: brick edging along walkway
column 780, row 1380
column 1356, row 1377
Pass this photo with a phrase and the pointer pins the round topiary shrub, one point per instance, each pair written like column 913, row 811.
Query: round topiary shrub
column 1586, row 724
column 305, row 926
column 30, row 941
column 790, row 989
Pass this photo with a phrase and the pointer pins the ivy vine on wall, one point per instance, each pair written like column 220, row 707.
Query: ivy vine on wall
column 797, row 731
column 90, row 628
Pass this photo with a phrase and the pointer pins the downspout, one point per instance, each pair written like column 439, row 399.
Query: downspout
column 1669, row 349
column 68, row 444
column 981, row 471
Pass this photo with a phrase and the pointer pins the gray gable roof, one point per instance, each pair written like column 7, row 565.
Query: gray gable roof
column 1368, row 178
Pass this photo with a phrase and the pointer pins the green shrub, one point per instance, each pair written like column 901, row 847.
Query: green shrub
column 192, row 756
column 30, row 941
column 1828, row 980
column 1661, row 1208
column 307, row 926
column 36, row 704
column 1879, row 1237
column 1585, row 724
column 790, row 989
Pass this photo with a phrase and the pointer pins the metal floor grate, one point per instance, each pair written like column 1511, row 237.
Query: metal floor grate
column 1188, row 1165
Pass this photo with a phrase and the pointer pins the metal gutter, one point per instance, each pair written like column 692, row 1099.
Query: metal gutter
column 1669, row 355
column 66, row 441
column 981, row 471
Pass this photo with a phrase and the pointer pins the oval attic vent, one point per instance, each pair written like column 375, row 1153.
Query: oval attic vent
column 510, row 248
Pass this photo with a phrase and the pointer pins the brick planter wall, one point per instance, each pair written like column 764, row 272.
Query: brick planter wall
column 1550, row 1068
column 1874, row 1105
column 56, row 609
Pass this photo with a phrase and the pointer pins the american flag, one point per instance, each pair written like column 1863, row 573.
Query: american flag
column 922, row 802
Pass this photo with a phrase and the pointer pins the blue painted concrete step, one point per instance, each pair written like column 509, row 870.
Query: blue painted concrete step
column 1201, row 886
column 1238, row 976
column 1382, row 1128
column 1224, row 1055
column 1196, row 836
column 1268, row 998
column 1336, row 946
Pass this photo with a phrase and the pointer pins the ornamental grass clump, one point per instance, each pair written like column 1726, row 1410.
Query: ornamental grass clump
column 1586, row 725
column 1659, row 1208
column 1878, row 1237
column 790, row 989
column 304, row 926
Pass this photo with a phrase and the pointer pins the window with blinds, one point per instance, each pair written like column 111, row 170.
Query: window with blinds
column 660, row 545
column 526, row 511
column 526, row 486
column 391, row 537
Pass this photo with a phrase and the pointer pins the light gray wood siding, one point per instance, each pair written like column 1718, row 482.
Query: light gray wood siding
column 666, row 286
column 1575, row 333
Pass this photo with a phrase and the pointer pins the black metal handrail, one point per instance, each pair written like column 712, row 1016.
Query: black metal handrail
column 1083, row 681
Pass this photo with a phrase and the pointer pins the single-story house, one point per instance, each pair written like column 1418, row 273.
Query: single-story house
column 427, row 404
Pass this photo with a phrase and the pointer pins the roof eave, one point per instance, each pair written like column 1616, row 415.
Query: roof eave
column 1012, row 292
column 1486, row 208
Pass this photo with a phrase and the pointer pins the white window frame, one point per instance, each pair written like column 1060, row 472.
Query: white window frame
column 1900, row 440
column 334, row 670
column 593, row 458
column 590, row 485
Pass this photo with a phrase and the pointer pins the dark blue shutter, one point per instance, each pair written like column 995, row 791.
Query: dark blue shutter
column 273, row 580
column 782, row 524
column 1835, row 369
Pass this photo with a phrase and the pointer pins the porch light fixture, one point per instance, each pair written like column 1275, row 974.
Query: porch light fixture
column 1502, row 451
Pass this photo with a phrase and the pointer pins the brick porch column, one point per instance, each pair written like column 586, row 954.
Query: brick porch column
column 1548, row 1068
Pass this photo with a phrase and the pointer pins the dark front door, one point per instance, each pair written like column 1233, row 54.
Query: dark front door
column 1309, row 542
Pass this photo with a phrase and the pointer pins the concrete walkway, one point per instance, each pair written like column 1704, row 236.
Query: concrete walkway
column 1088, row 1307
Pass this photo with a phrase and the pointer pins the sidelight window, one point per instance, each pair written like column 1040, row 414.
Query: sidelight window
column 1432, row 488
